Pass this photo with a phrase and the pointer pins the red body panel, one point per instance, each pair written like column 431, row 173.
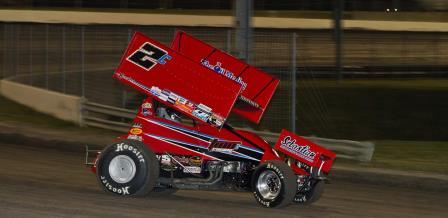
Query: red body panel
column 258, row 86
column 157, row 70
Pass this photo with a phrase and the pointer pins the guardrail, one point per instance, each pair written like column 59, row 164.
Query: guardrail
column 119, row 119
column 107, row 117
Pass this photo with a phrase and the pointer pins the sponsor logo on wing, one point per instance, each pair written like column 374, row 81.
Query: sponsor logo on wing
column 303, row 151
column 219, row 69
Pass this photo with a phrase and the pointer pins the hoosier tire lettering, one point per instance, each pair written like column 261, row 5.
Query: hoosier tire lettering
column 276, row 169
column 122, row 190
column 123, row 146
column 261, row 200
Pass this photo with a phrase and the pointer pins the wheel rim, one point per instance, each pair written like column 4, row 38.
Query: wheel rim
column 269, row 185
column 122, row 169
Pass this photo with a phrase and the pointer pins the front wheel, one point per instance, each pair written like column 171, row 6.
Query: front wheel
column 274, row 184
column 128, row 167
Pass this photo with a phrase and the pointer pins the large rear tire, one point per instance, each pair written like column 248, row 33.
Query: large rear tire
column 127, row 167
column 274, row 184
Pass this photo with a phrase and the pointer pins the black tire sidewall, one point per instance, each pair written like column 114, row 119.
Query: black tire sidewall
column 143, row 160
column 287, row 184
column 311, row 195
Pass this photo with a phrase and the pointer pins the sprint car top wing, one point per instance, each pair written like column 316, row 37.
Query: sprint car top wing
column 177, row 81
column 258, row 86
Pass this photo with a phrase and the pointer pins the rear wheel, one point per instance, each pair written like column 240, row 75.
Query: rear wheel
column 274, row 184
column 128, row 167
column 311, row 194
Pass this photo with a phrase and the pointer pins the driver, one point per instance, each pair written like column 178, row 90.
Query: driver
column 169, row 114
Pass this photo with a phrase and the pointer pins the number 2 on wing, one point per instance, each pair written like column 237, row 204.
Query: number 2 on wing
column 148, row 55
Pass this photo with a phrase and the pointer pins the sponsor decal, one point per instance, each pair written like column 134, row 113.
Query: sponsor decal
column 166, row 159
column 200, row 111
column 218, row 69
column 220, row 150
column 122, row 190
column 192, row 169
column 195, row 161
column 216, row 120
column 155, row 91
column 186, row 107
column 201, row 114
column 147, row 109
column 204, row 108
column 182, row 159
column 137, row 125
column 147, row 105
column 163, row 97
column 166, row 93
column 136, row 131
column 135, row 137
column 132, row 81
column 173, row 97
column 125, row 147
column 223, row 146
column 171, row 100
column 146, row 112
column 148, row 56
column 181, row 100
column 303, row 151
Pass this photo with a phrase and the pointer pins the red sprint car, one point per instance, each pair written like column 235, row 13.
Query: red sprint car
column 180, row 137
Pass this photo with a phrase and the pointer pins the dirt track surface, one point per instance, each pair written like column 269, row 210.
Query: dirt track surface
column 47, row 183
